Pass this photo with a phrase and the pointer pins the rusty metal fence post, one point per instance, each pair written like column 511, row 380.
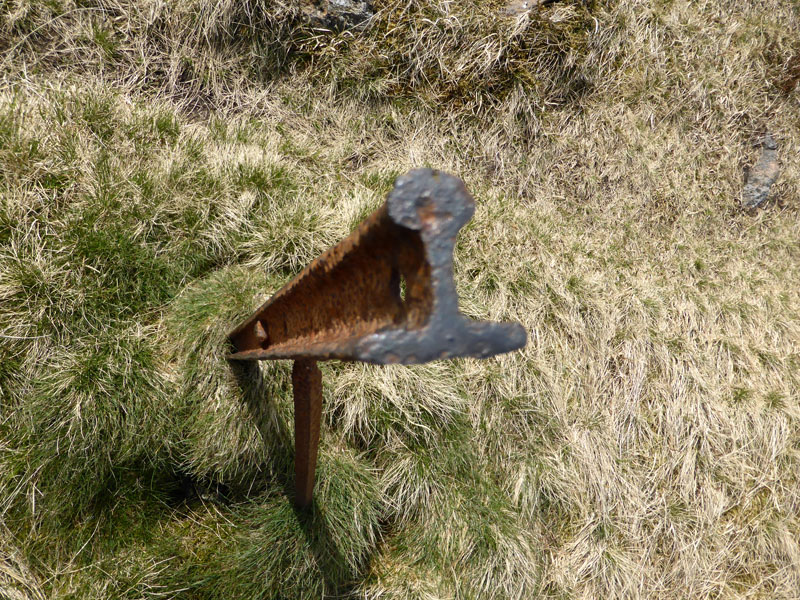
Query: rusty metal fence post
column 383, row 295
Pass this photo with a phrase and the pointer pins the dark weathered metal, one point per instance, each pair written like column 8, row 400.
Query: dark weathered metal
column 307, row 388
column 383, row 295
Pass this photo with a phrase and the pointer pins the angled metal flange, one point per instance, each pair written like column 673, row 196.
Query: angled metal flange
column 383, row 295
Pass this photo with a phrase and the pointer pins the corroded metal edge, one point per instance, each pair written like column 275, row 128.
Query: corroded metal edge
column 427, row 205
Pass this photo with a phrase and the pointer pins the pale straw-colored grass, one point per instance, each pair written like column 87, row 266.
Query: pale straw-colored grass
column 646, row 442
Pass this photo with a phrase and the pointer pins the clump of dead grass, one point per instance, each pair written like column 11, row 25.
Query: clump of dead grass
column 17, row 580
column 643, row 444
column 468, row 55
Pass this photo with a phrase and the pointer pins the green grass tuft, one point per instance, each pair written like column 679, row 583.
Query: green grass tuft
column 165, row 167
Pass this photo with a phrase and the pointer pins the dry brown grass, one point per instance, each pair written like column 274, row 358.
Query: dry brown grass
column 646, row 443
column 17, row 580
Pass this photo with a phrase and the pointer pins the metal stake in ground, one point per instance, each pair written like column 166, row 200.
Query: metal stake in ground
column 307, row 389
column 383, row 295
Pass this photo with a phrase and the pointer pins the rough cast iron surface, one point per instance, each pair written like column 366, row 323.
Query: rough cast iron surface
column 350, row 303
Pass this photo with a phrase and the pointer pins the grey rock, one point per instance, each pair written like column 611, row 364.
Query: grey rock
column 761, row 175
column 514, row 8
column 337, row 15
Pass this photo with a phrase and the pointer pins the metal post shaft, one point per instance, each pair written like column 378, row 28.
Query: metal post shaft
column 307, row 390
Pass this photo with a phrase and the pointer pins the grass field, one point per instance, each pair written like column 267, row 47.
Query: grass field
column 164, row 167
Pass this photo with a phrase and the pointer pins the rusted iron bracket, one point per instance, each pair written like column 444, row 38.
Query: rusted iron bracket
column 383, row 295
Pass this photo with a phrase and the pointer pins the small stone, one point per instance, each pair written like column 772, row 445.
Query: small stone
column 337, row 15
column 517, row 7
column 761, row 175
